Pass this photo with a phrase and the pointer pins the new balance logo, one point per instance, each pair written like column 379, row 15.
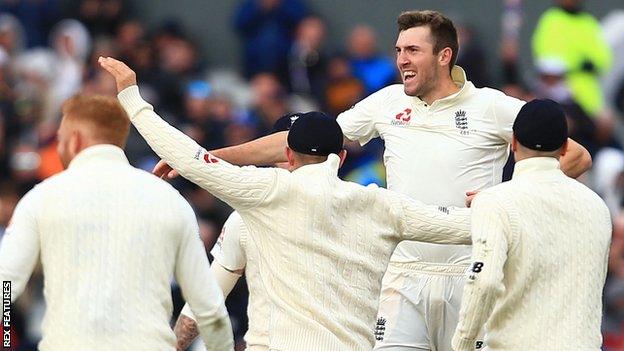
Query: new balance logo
column 380, row 328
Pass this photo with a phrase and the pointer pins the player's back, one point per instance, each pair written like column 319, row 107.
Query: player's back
column 324, row 246
column 556, row 265
column 109, row 235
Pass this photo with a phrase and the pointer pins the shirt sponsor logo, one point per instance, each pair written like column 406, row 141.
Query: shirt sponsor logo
column 402, row 118
column 461, row 122
column 210, row 159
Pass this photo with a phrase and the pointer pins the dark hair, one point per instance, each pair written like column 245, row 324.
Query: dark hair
column 442, row 29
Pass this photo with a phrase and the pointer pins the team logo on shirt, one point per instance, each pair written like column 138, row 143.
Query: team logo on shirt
column 380, row 328
column 402, row 118
column 461, row 122
column 208, row 158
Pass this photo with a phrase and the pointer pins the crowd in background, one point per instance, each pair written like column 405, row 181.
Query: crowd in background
column 48, row 53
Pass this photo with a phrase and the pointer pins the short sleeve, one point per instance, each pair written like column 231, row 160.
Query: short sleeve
column 228, row 251
column 358, row 123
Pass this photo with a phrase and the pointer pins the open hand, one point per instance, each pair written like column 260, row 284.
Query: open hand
column 124, row 76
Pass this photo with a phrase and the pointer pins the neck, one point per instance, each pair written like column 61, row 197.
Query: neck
column 444, row 88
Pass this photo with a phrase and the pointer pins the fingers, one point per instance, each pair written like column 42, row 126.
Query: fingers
column 469, row 201
column 124, row 76
column 164, row 171
column 161, row 168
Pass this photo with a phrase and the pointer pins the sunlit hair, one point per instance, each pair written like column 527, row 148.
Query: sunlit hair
column 109, row 120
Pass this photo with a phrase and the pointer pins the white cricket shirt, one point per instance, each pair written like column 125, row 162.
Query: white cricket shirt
column 541, row 247
column 324, row 243
column 436, row 153
column 110, row 237
column 234, row 251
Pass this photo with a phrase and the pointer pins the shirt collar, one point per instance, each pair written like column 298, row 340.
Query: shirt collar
column 100, row 152
column 331, row 166
column 459, row 78
column 536, row 164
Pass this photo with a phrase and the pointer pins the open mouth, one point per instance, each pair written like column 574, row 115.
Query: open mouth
column 408, row 76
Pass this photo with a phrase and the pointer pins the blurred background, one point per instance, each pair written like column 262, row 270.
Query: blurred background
column 224, row 71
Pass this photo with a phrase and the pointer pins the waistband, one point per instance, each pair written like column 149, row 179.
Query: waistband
column 431, row 268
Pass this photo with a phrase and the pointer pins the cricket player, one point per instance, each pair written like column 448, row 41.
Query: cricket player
column 443, row 137
column 324, row 243
column 109, row 237
column 234, row 255
column 540, row 249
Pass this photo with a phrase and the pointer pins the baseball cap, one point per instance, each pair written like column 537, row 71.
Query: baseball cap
column 315, row 133
column 283, row 123
column 541, row 125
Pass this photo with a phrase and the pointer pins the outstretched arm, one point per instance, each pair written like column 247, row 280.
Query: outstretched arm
column 239, row 187
column 434, row 224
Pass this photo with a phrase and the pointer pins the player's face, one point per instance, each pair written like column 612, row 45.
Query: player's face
column 416, row 61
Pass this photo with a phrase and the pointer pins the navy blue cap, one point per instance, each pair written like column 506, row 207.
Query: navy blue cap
column 283, row 123
column 541, row 125
column 315, row 133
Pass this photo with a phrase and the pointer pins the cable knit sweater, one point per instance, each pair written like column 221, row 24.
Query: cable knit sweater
column 540, row 248
column 110, row 237
column 324, row 243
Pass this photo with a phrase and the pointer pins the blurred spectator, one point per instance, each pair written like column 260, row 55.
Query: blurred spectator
column 37, row 18
column 552, row 85
column 372, row 68
column 101, row 17
column 511, row 23
column 270, row 101
column 130, row 36
column 472, row 57
column 306, row 60
column 12, row 41
column 71, row 43
column 608, row 178
column 343, row 88
column 266, row 28
column 568, row 33
column 202, row 126
column 613, row 83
